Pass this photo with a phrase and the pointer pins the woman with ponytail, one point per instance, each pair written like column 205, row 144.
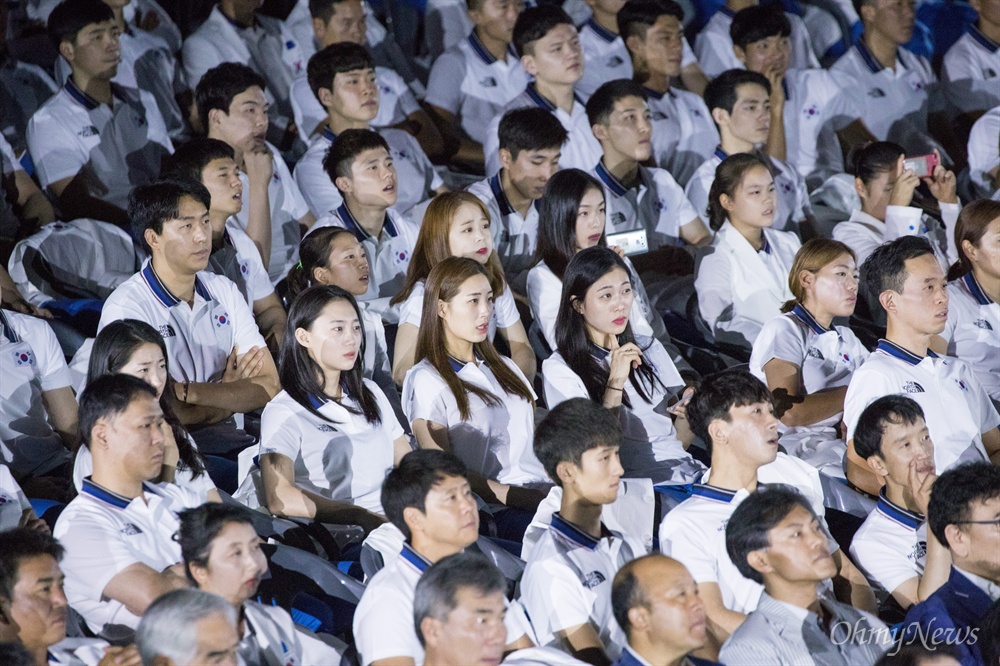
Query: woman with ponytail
column 807, row 361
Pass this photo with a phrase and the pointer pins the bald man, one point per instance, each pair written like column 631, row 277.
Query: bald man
column 656, row 602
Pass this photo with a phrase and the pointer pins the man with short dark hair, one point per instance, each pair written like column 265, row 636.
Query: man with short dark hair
column 774, row 538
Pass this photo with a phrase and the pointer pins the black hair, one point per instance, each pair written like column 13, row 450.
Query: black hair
column 602, row 102
column 915, row 654
column 190, row 159
column 219, row 85
column 335, row 59
column 885, row 268
column 758, row 514
column 407, row 484
column 71, row 16
column 728, row 177
column 15, row 653
column 874, row 159
column 436, row 594
column 323, row 9
column 20, row 544
column 149, row 206
column 990, row 635
column 534, row 23
column 572, row 428
column 314, row 252
column 530, row 129
column 954, row 492
column 112, row 350
column 723, row 91
column 757, row 22
column 302, row 377
column 636, row 16
column 346, row 147
column 584, row 269
column 889, row 409
column 557, row 211
column 199, row 527
column 720, row 392
column 109, row 396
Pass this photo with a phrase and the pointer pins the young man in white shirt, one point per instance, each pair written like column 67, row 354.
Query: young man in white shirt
column 732, row 412
column 209, row 330
column 472, row 81
column 118, row 532
column 550, row 51
column 974, row 60
column 566, row 587
column 892, row 547
column 684, row 134
column 910, row 285
column 741, row 104
column 604, row 52
column 94, row 141
column 343, row 77
column 233, row 108
column 531, row 142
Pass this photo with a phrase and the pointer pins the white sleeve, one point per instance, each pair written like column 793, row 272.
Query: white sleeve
column 901, row 221
column 198, row 56
column 279, row 432
column 118, row 307
column 316, row 187
column 713, row 284
column 294, row 204
column 881, row 562
column 553, row 596
column 424, row 395
column 544, row 302
column 949, row 215
column 444, row 88
column 560, row 383
column 505, row 309
column 157, row 131
column 95, row 551
column 853, row 235
column 712, row 50
column 678, row 539
column 491, row 145
column 865, row 388
column 257, row 279
column 54, row 149
column 411, row 310
column 983, row 410
column 383, row 625
column 245, row 331
column 779, row 339
column 390, row 425
column 53, row 371
column 697, row 191
column 672, row 192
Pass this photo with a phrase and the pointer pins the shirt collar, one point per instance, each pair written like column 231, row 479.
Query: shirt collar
column 458, row 365
column 720, row 153
column 896, row 513
column 6, row 330
column 726, row 11
column 765, row 246
column 160, row 291
column 599, row 352
column 894, row 350
column 575, row 534
column 655, row 94
column 609, row 179
column 713, row 493
column 809, row 320
column 869, row 58
column 80, row 97
column 497, row 186
column 976, row 290
column 317, row 401
column 237, row 25
column 631, row 658
column 415, row 559
column 543, row 103
column 352, row 225
column 604, row 34
column 328, row 133
column 991, row 589
column 480, row 49
column 107, row 496
column 982, row 39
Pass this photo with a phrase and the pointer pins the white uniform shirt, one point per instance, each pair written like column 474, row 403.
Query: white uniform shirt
column 287, row 208
column 684, row 134
column 13, row 502
column 504, row 314
column 886, row 96
column 76, row 652
column 984, row 153
column 31, row 362
column 650, row 447
column 792, row 205
column 581, row 150
column 24, row 88
column 973, row 331
column 116, row 147
column 496, row 441
column 956, row 408
column 975, row 61
column 199, row 339
column 714, row 46
column 272, row 634
column 468, row 82
column 388, row 256
column 239, row 260
column 515, row 237
column 344, row 458
column 863, row 233
column 657, row 204
column 567, row 582
column 416, row 176
column 104, row 533
column 740, row 289
column 605, row 58
column 815, row 108
column 891, row 545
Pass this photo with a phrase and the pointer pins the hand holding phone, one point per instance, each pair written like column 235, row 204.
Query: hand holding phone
column 922, row 165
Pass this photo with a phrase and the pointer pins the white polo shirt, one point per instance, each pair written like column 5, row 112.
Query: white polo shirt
column 269, row 632
column 891, row 545
column 31, row 362
column 13, row 502
column 76, row 652
column 416, row 177
column 239, row 260
column 815, row 108
column 344, row 458
column 790, row 189
column 117, row 147
column 199, row 338
column 975, row 61
column 467, row 81
column 504, row 314
column 515, row 237
column 388, row 256
column 973, row 331
column 657, row 204
column 863, row 233
column 567, row 583
column 714, row 46
column 884, row 95
column 27, row 87
column 684, row 134
column 104, row 533
column 605, row 58
column 287, row 208
column 581, row 150
column 650, row 447
column 984, row 154
column 956, row 408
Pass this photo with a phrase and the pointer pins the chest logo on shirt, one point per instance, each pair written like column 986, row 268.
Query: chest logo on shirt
column 221, row 319
column 593, row 579
column 130, row 530
column 322, row 427
column 845, row 358
column 811, row 111
column 917, row 85
column 912, row 387
column 89, row 130
column 786, row 186
column 488, row 82
column 614, row 61
column 617, row 218
column 658, row 115
column 919, row 551
column 983, row 324
column 245, row 268
column 876, row 92
column 400, row 154
column 962, row 385
column 167, row 331
column 989, row 73
column 812, row 352
column 402, row 257
column 23, row 357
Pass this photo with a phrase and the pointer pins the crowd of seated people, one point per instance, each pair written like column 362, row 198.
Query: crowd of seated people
column 534, row 332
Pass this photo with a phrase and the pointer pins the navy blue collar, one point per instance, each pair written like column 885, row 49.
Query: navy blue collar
column 354, row 227
column 236, row 25
column 726, row 11
column 542, row 102
column 713, row 493
column 599, row 352
column 105, row 495
column 328, row 133
column 484, row 53
column 609, row 179
column 809, row 320
column 784, row 87
column 317, row 401
column 870, row 60
column 418, row 561
column 80, row 97
column 720, row 153
column 575, row 534
column 977, row 291
column 458, row 365
column 160, row 291
column 982, row 39
column 604, row 34
column 765, row 247
column 896, row 513
column 894, row 350
column 497, row 186
column 6, row 330
column 629, row 658
column 655, row 94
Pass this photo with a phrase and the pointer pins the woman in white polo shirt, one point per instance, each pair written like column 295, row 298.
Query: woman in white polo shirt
column 601, row 359
column 807, row 361
column 222, row 555
column 330, row 436
column 464, row 397
column 457, row 224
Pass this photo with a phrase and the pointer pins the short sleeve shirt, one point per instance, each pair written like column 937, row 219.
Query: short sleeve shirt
column 239, row 260
column 504, row 314
column 514, row 236
column 972, row 68
column 714, row 46
column 605, row 58
column 973, row 331
column 13, row 502
column 684, row 134
column 891, row 545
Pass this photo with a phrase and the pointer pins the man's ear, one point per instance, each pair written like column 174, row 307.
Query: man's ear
column 600, row 132
column 319, row 28
column 214, row 118
column 740, row 54
column 887, row 299
column 956, row 541
column 326, row 97
column 431, row 629
column 634, row 44
column 528, row 63
column 99, row 435
column 877, row 466
column 758, row 561
column 344, row 184
column 506, row 159
column 566, row 472
column 720, row 116
column 413, row 518
column 866, row 13
column 67, row 51
column 718, row 431
column 638, row 617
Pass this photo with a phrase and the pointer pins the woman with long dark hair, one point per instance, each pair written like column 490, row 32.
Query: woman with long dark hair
column 329, row 437
column 600, row 358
